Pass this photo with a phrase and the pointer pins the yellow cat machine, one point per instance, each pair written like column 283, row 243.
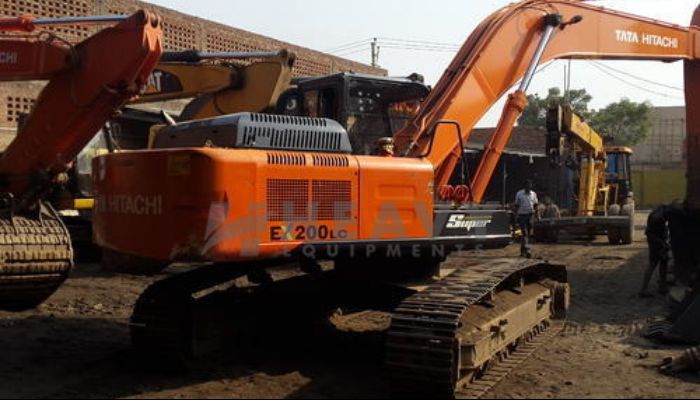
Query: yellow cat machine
column 87, row 84
column 219, row 83
column 604, row 201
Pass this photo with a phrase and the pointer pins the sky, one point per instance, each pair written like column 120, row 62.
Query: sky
column 326, row 25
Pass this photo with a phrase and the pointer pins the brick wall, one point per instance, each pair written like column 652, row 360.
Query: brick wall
column 181, row 32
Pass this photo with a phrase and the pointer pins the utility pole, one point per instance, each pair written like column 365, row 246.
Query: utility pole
column 375, row 53
column 567, row 83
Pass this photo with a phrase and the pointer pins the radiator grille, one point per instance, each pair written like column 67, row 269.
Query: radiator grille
column 330, row 161
column 286, row 159
column 288, row 120
column 332, row 200
column 287, row 199
column 298, row 139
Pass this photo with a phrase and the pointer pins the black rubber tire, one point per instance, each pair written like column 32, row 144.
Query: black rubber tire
column 553, row 235
column 546, row 234
column 614, row 210
column 540, row 234
column 627, row 233
column 614, row 235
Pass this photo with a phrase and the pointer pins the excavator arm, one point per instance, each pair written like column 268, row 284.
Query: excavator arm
column 507, row 48
column 220, row 89
column 569, row 134
column 564, row 122
column 87, row 85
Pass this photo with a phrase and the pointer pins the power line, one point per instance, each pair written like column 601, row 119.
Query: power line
column 606, row 72
column 353, row 44
column 419, row 46
column 540, row 70
column 403, row 44
column 420, row 42
column 637, row 77
column 349, row 48
column 436, row 50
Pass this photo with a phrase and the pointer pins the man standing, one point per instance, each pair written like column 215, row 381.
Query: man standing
column 526, row 203
column 659, row 248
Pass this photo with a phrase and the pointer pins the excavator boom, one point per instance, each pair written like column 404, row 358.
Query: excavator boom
column 479, row 75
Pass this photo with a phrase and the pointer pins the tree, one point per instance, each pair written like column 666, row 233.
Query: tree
column 535, row 115
column 626, row 123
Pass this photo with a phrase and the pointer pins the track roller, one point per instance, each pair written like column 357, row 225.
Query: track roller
column 446, row 337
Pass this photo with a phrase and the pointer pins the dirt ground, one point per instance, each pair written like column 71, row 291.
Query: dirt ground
column 77, row 345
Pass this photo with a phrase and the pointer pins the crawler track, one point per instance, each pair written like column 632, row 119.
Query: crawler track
column 35, row 259
column 162, row 325
column 509, row 360
column 441, row 339
column 456, row 338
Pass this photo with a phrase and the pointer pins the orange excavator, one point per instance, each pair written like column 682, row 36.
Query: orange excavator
column 246, row 192
column 86, row 86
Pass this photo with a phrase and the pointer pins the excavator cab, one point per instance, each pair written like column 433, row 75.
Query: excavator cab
column 368, row 107
column 618, row 174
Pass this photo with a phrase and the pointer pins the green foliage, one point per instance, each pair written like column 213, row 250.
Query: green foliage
column 535, row 115
column 625, row 123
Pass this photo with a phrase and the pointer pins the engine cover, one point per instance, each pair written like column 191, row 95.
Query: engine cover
column 258, row 131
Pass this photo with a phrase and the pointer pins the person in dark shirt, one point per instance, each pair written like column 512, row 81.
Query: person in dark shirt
column 659, row 248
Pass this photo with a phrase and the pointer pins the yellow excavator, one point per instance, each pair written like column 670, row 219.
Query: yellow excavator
column 604, row 202
column 216, row 85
